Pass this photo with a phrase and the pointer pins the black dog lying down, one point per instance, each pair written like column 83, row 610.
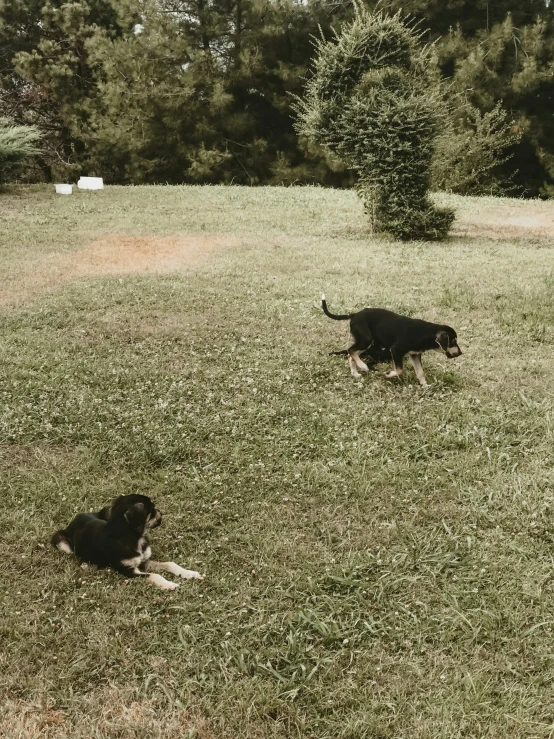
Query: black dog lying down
column 381, row 334
column 114, row 537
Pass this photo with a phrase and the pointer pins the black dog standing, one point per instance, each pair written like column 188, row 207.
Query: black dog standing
column 383, row 333
column 114, row 537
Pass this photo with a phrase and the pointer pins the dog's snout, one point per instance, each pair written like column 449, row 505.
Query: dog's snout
column 156, row 519
column 453, row 351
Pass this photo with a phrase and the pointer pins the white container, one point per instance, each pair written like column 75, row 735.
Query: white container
column 90, row 183
column 64, row 189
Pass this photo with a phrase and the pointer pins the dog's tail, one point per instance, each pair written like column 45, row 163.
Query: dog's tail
column 332, row 315
column 61, row 541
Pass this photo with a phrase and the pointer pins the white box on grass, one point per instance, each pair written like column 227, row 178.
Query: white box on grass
column 90, row 183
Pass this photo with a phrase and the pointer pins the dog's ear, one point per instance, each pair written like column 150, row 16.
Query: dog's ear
column 443, row 340
column 136, row 517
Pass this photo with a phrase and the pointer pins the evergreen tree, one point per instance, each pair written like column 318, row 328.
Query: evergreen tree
column 17, row 145
column 437, row 17
column 199, row 96
column 514, row 66
column 373, row 101
column 50, row 83
column 472, row 148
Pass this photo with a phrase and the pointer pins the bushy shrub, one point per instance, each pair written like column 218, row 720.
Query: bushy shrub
column 17, row 144
column 471, row 150
column 374, row 100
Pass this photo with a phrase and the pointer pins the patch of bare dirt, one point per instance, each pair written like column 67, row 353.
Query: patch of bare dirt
column 114, row 255
column 517, row 219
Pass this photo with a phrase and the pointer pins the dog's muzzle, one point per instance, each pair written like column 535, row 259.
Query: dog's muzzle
column 453, row 351
column 155, row 520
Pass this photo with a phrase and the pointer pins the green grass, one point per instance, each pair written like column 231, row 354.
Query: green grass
column 378, row 557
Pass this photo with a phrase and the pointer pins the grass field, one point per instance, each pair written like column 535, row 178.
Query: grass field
column 378, row 557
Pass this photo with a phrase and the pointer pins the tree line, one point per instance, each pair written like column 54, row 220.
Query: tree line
column 203, row 91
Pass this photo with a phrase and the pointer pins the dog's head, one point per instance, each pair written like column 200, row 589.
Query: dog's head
column 139, row 512
column 447, row 341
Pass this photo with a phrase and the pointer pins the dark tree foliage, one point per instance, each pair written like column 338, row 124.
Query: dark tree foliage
column 46, row 79
column 437, row 17
column 163, row 91
column 202, row 90
column 515, row 66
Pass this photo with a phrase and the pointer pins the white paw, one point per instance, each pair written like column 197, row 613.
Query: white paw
column 189, row 574
column 356, row 374
column 161, row 582
column 389, row 374
column 169, row 585
column 363, row 366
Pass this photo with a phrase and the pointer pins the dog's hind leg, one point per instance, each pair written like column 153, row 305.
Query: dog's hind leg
column 61, row 542
column 174, row 569
column 355, row 362
column 420, row 374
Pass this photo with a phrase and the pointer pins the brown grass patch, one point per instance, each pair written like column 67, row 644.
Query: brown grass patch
column 111, row 713
column 527, row 219
column 114, row 255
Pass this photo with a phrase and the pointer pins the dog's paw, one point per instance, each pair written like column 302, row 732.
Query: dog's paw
column 188, row 574
column 391, row 374
column 162, row 583
column 356, row 374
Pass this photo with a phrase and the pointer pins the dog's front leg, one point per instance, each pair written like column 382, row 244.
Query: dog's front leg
column 397, row 371
column 173, row 569
column 160, row 581
column 153, row 577
column 416, row 361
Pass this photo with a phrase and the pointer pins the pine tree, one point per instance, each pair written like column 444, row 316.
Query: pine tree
column 472, row 149
column 512, row 66
column 17, row 145
column 374, row 101
column 200, row 96
column 50, row 83
column 201, row 90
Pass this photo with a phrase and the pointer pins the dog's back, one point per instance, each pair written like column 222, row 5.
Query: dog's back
column 386, row 328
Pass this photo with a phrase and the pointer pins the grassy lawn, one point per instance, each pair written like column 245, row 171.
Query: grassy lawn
column 378, row 557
